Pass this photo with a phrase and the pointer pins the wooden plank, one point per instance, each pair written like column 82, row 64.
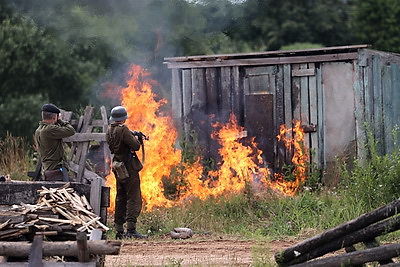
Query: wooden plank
column 304, row 72
column 287, row 87
column 264, row 61
column 296, row 94
column 177, row 98
column 95, row 194
column 339, row 231
column 86, row 137
column 305, row 105
column 377, row 107
column 387, row 112
column 357, row 257
column 87, row 174
column 84, row 146
column 313, row 96
column 237, row 96
column 359, row 104
column 106, row 149
column 320, row 50
column 226, row 93
column 187, row 98
column 279, row 118
column 396, row 97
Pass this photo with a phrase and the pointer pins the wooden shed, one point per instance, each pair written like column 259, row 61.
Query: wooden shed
column 334, row 91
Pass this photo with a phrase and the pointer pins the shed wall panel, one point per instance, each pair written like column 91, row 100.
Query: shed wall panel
column 339, row 120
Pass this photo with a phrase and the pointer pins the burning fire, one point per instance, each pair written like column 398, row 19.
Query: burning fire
column 240, row 164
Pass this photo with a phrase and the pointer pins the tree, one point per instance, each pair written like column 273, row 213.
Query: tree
column 270, row 24
column 377, row 23
column 35, row 68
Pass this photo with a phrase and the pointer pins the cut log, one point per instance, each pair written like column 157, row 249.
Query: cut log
column 57, row 248
column 364, row 220
column 362, row 235
column 381, row 253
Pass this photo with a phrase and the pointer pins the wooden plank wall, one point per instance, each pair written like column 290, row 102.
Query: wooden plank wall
column 201, row 89
column 378, row 105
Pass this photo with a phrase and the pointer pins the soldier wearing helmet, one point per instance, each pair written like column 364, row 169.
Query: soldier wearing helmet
column 48, row 136
column 128, row 201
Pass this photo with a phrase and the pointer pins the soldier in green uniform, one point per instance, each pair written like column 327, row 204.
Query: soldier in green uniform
column 128, row 201
column 48, row 137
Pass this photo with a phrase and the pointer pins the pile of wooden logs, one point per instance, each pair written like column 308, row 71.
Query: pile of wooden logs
column 60, row 213
column 363, row 229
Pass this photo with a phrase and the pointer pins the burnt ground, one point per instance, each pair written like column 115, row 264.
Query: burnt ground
column 197, row 251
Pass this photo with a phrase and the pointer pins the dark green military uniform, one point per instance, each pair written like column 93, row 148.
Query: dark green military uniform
column 128, row 204
column 49, row 138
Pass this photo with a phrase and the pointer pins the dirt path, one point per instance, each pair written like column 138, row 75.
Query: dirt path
column 199, row 251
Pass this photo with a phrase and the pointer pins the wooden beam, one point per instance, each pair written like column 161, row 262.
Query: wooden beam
column 263, row 61
column 85, row 137
column 60, row 248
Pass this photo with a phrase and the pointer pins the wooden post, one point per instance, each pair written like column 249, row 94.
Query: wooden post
column 83, row 252
column 36, row 253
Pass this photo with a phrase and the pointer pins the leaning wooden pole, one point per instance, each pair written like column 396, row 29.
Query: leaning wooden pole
column 364, row 220
column 361, row 235
column 356, row 258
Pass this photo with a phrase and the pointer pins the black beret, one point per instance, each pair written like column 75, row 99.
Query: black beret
column 51, row 108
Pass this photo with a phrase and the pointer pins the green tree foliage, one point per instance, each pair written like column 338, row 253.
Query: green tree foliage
column 35, row 68
column 377, row 23
column 270, row 24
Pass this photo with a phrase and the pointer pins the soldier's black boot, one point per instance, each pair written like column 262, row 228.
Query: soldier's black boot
column 119, row 235
column 135, row 234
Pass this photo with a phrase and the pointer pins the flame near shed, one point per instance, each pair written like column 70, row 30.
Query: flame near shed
column 240, row 163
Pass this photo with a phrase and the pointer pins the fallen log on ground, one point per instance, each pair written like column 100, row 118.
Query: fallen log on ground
column 57, row 248
column 356, row 258
column 362, row 235
column 289, row 254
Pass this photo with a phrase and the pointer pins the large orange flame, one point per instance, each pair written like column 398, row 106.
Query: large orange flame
column 240, row 163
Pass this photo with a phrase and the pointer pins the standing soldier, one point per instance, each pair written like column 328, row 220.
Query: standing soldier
column 128, row 201
column 52, row 129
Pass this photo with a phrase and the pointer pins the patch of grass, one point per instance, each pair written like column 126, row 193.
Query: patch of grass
column 15, row 158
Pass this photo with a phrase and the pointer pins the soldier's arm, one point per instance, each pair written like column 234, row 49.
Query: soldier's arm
column 61, row 130
column 130, row 140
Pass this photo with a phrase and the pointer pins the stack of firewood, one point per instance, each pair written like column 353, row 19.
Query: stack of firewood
column 59, row 213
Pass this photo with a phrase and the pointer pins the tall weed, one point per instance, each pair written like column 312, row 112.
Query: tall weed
column 375, row 181
column 15, row 158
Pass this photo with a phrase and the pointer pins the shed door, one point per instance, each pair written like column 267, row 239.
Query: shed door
column 259, row 108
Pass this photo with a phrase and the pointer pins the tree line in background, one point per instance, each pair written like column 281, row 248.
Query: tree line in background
column 66, row 52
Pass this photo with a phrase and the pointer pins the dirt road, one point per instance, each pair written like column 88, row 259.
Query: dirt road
column 197, row 251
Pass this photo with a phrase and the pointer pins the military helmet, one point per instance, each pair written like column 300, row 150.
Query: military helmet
column 118, row 113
